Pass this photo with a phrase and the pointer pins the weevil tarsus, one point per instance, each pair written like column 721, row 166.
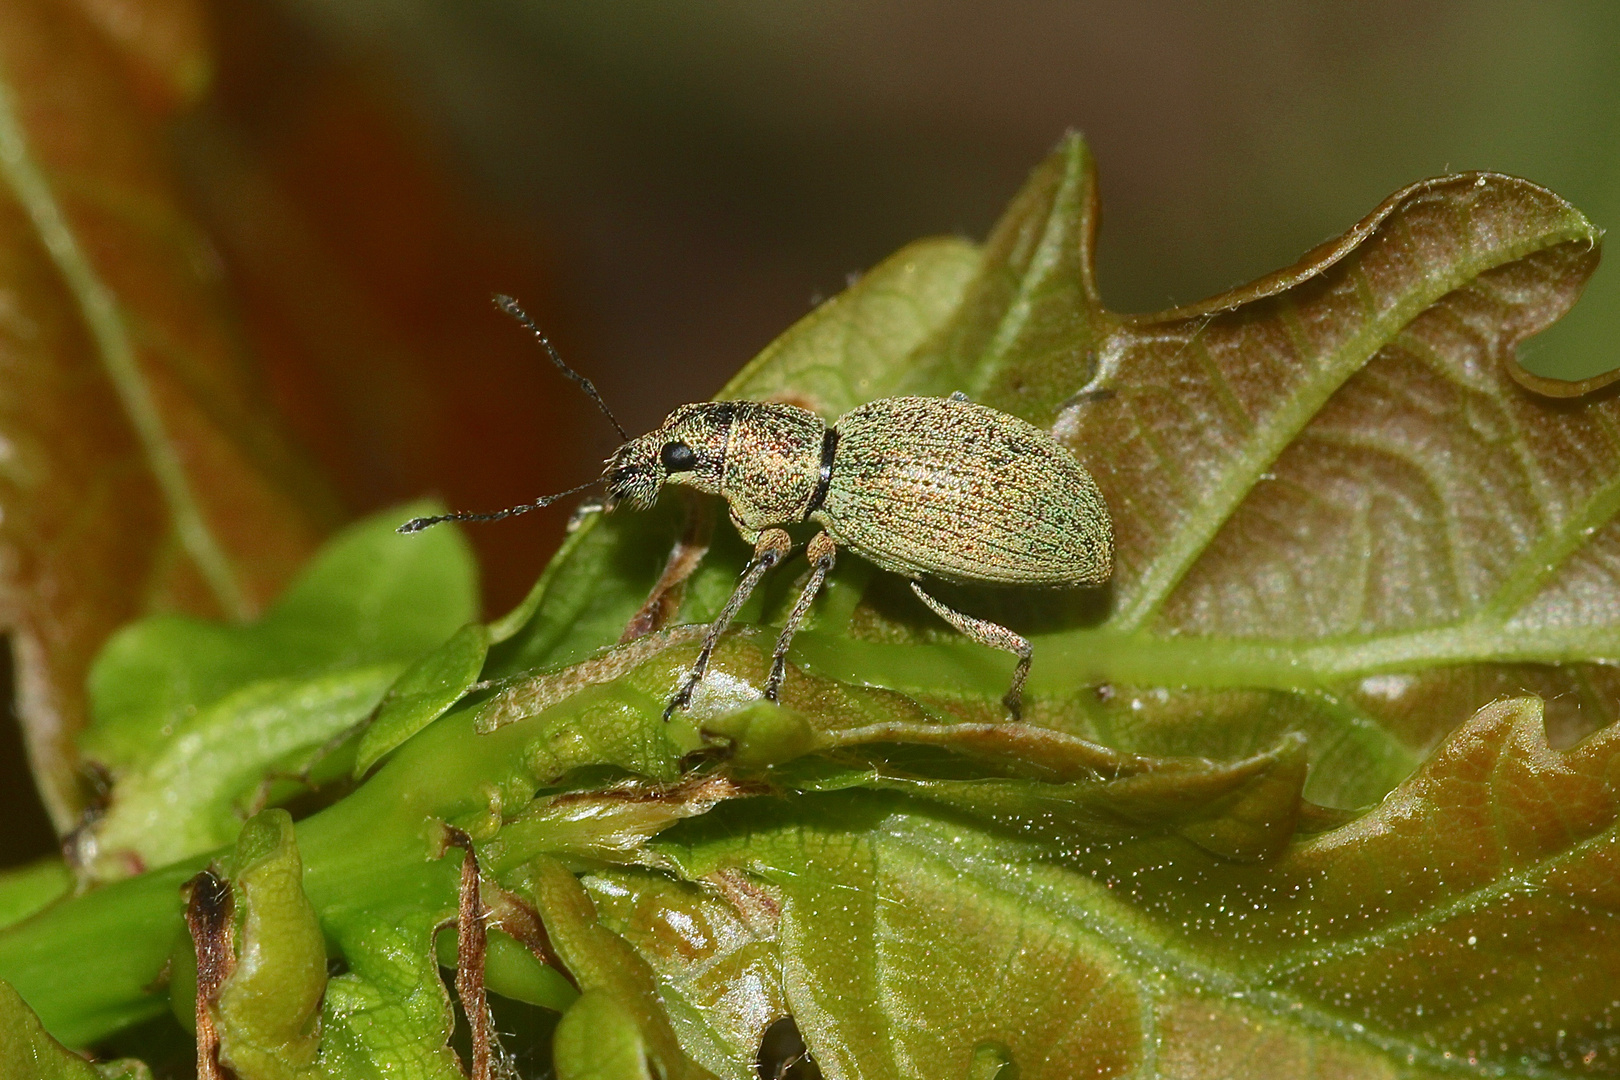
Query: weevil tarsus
column 1089, row 397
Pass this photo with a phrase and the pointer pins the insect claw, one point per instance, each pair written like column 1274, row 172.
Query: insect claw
column 681, row 699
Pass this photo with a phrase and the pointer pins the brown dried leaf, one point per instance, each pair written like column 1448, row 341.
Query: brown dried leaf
column 364, row 275
column 1342, row 462
column 141, row 472
column 1259, row 437
column 164, row 45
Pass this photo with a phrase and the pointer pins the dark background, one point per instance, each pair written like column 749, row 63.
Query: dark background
column 695, row 174
column 669, row 185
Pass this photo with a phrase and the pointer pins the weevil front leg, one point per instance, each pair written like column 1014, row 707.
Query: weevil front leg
column 822, row 552
column 771, row 548
column 665, row 599
column 994, row 635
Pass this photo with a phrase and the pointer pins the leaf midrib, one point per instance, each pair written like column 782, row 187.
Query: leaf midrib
column 1275, row 433
column 1143, row 948
column 1522, row 879
column 1047, row 258
column 1259, row 663
column 1069, row 661
column 100, row 310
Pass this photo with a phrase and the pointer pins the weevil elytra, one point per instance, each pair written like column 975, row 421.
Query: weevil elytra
column 928, row 488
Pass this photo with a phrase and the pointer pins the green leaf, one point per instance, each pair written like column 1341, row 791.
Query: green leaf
column 1329, row 489
column 1130, row 881
column 27, row 1051
column 1028, row 331
column 598, row 1040
column 27, row 889
column 605, row 967
column 123, row 1069
column 712, row 946
column 609, row 712
column 268, row 1012
column 190, row 798
column 389, row 1016
column 423, row 693
column 1426, row 931
column 607, row 826
column 1336, row 508
column 194, row 719
column 1248, row 445
column 369, row 595
column 845, row 351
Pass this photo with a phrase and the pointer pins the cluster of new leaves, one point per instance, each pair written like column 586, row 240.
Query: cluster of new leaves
column 1283, row 803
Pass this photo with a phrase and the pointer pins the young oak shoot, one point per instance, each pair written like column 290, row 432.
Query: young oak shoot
column 923, row 487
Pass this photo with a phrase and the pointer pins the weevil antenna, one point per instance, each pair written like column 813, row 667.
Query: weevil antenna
column 418, row 524
column 510, row 306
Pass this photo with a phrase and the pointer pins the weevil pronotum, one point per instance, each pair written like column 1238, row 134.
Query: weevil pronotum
column 924, row 487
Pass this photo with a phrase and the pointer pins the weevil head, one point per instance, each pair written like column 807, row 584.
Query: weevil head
column 687, row 448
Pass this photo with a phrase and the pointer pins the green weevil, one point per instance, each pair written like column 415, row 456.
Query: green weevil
column 939, row 488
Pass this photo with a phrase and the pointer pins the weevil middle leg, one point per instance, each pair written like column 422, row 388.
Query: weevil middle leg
column 822, row 553
column 771, row 548
column 994, row 635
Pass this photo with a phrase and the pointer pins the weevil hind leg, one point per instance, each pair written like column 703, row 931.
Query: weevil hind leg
column 771, row 548
column 822, row 553
column 994, row 635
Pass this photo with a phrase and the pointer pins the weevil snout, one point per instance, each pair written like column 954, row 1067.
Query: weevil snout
column 687, row 448
column 632, row 477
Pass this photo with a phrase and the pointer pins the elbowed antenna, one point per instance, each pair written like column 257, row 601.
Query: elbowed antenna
column 418, row 524
column 510, row 306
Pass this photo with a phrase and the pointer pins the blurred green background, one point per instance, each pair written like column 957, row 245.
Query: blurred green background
column 670, row 185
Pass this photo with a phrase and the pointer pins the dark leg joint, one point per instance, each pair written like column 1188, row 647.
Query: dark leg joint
column 822, row 553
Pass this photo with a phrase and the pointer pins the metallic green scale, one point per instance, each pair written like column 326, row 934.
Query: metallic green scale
column 924, row 487
column 958, row 491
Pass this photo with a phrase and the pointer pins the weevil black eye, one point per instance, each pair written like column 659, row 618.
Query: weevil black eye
column 678, row 457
